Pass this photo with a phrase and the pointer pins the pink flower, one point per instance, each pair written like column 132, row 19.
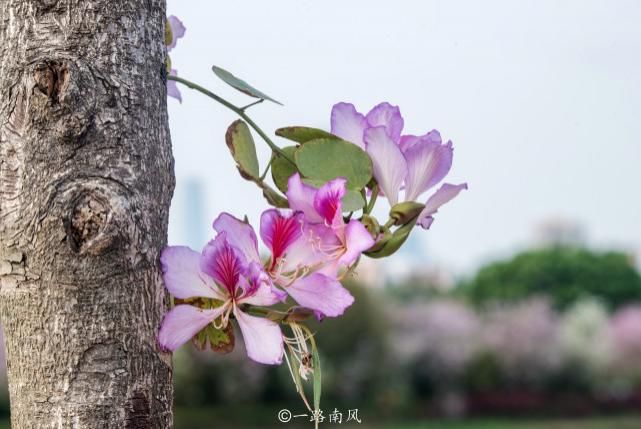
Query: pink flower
column 177, row 32
column 221, row 273
column 412, row 163
column 341, row 242
column 295, row 262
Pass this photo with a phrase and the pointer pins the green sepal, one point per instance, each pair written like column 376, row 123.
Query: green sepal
column 389, row 244
column 405, row 212
column 169, row 35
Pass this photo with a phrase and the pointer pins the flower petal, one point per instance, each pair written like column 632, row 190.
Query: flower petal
column 223, row 262
column 328, row 201
column 177, row 31
column 321, row 293
column 263, row 338
column 428, row 162
column 301, row 198
column 172, row 87
column 239, row 234
column 443, row 195
column 182, row 323
column 390, row 167
column 279, row 229
column 258, row 288
column 389, row 117
column 410, row 140
column 348, row 124
column 357, row 240
column 182, row 275
column 307, row 252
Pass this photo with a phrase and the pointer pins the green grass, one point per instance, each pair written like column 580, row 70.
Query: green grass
column 217, row 418
column 183, row 421
column 585, row 423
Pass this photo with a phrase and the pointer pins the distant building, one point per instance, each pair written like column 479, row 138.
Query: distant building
column 189, row 223
column 558, row 231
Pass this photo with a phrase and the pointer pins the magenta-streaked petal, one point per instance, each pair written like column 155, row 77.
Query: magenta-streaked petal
column 257, row 287
column 301, row 198
column 348, row 124
column 239, row 234
column 321, row 293
column 177, row 31
column 443, row 195
column 263, row 338
column 427, row 164
column 182, row 275
column 223, row 262
column 182, row 323
column 389, row 117
column 279, row 229
column 390, row 167
column 172, row 87
column 307, row 252
column 328, row 201
column 357, row 241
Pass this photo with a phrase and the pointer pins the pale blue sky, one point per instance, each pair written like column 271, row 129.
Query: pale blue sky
column 541, row 98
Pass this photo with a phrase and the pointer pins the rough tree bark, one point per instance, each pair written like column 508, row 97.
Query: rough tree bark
column 86, row 177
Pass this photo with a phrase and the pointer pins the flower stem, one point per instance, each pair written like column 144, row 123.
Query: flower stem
column 240, row 111
column 372, row 201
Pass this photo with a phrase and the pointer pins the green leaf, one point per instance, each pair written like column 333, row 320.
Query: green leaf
column 241, row 85
column 241, row 145
column 282, row 169
column 274, row 198
column 317, row 374
column 303, row 134
column 326, row 159
column 219, row 340
column 352, row 201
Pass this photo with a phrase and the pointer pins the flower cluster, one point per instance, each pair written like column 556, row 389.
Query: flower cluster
column 409, row 162
column 309, row 246
column 320, row 225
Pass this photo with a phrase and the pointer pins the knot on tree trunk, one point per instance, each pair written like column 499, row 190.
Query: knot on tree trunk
column 96, row 219
column 63, row 100
column 52, row 79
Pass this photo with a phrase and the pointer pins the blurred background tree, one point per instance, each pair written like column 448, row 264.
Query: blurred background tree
column 564, row 274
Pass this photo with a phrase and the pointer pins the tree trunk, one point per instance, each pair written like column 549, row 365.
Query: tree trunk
column 86, row 177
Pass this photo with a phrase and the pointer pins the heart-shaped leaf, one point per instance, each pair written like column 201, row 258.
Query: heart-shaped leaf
column 303, row 134
column 326, row 159
column 241, row 145
column 282, row 169
column 241, row 85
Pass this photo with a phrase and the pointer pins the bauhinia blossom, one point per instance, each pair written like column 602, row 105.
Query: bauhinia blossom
column 411, row 163
column 222, row 273
column 177, row 32
column 297, row 262
column 341, row 242
column 304, row 258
